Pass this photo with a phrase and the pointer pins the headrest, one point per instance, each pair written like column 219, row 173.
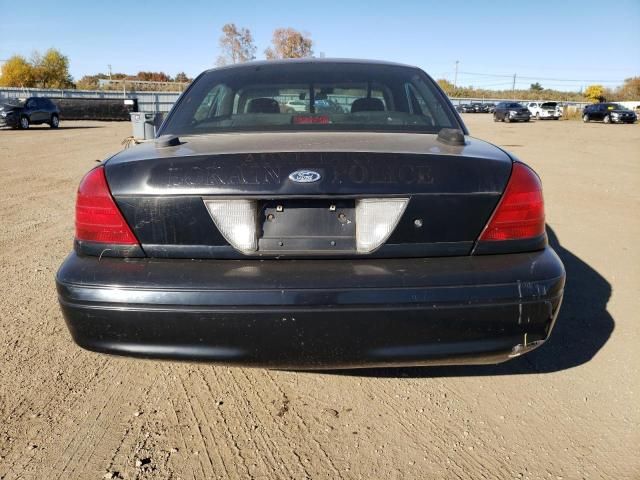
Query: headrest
column 367, row 105
column 263, row 105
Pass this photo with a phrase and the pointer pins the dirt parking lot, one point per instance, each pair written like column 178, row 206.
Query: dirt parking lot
column 570, row 410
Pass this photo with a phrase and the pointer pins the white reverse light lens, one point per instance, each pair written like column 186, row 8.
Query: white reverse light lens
column 376, row 218
column 237, row 222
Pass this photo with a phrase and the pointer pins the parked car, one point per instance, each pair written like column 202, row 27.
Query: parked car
column 24, row 112
column 608, row 113
column 384, row 235
column 296, row 106
column 491, row 107
column 544, row 110
column 465, row 108
column 328, row 106
column 480, row 108
column 511, row 112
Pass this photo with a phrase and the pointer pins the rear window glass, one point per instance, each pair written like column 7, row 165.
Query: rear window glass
column 318, row 96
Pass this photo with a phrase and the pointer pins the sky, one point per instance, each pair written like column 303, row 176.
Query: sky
column 564, row 45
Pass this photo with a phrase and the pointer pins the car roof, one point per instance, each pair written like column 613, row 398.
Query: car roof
column 307, row 61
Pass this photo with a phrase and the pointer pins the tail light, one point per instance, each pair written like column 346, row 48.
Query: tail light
column 237, row 222
column 97, row 216
column 376, row 218
column 520, row 213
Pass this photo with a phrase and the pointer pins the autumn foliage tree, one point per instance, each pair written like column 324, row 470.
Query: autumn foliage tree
column 17, row 72
column 50, row 70
column 595, row 93
column 289, row 43
column 630, row 89
column 236, row 44
column 447, row 86
column 182, row 78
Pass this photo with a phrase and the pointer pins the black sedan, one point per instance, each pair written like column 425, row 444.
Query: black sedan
column 22, row 113
column 246, row 235
column 608, row 113
column 511, row 112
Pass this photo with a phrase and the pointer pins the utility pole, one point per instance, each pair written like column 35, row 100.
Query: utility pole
column 455, row 80
column 513, row 87
column 109, row 67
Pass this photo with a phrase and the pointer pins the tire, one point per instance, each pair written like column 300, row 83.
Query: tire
column 55, row 121
column 607, row 119
column 24, row 123
column 585, row 118
column 537, row 115
column 527, row 119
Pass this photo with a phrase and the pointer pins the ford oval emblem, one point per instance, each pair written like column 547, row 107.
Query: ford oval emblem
column 304, row 176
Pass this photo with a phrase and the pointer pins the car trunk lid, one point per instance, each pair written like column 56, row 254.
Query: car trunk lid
column 450, row 192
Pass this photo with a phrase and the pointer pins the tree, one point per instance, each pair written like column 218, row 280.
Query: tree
column 52, row 69
column 536, row 87
column 236, row 45
column 630, row 89
column 447, row 86
column 90, row 82
column 289, row 43
column 152, row 77
column 17, row 72
column 182, row 78
column 595, row 93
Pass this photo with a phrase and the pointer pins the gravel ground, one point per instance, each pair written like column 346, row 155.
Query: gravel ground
column 569, row 410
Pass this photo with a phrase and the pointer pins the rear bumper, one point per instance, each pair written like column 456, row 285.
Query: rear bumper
column 314, row 313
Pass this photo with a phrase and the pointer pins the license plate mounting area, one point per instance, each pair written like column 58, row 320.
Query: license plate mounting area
column 307, row 226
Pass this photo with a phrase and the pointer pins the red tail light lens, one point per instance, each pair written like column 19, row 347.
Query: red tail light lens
column 97, row 216
column 520, row 213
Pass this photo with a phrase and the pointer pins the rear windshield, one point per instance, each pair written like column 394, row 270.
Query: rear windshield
column 311, row 96
column 550, row 104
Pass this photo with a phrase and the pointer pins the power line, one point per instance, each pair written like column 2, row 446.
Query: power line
column 486, row 74
column 496, row 75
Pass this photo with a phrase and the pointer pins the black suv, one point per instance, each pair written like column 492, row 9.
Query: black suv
column 21, row 113
column 511, row 112
column 608, row 113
